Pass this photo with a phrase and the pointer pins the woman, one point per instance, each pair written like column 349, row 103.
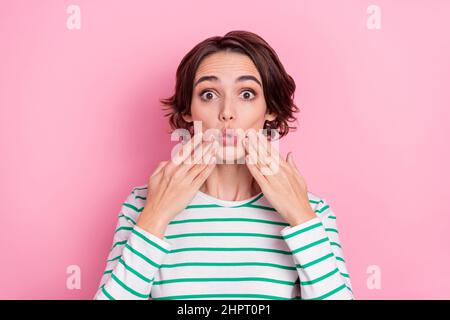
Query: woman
column 213, row 223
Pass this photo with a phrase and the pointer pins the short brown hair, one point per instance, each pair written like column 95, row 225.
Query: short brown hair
column 279, row 87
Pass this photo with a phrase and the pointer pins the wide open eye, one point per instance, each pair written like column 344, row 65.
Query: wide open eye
column 207, row 95
column 248, row 94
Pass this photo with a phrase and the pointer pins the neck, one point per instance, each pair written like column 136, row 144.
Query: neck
column 231, row 182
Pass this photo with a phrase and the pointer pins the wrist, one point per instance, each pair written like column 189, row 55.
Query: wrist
column 152, row 223
column 301, row 216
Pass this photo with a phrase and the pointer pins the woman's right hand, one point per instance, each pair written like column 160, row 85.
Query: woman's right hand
column 174, row 183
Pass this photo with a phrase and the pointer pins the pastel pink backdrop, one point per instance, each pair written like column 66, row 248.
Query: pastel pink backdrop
column 81, row 125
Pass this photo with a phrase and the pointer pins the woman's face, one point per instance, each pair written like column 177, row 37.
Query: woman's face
column 228, row 93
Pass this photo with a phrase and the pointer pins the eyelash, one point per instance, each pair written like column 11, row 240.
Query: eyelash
column 207, row 90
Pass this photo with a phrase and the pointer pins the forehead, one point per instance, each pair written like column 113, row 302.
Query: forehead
column 227, row 64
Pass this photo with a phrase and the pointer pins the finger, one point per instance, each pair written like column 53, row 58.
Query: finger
column 212, row 152
column 198, row 153
column 276, row 160
column 201, row 177
column 256, row 173
column 195, row 151
column 251, row 150
column 200, row 158
column 159, row 167
column 202, row 155
column 290, row 161
column 187, row 149
column 272, row 158
column 246, row 145
column 265, row 163
column 196, row 168
column 263, row 173
column 257, row 157
column 268, row 149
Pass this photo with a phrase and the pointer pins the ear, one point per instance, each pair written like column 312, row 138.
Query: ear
column 187, row 117
column 270, row 116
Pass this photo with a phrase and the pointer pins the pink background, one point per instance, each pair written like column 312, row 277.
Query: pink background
column 80, row 125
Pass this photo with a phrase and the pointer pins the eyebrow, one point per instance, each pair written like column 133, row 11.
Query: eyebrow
column 240, row 79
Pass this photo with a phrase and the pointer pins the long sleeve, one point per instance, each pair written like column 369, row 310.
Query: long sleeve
column 319, row 258
column 134, row 258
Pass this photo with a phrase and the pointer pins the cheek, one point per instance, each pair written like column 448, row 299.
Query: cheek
column 252, row 118
column 207, row 115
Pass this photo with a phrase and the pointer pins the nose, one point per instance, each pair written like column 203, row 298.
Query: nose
column 226, row 117
column 226, row 114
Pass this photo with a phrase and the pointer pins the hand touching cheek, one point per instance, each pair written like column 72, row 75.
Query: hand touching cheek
column 280, row 180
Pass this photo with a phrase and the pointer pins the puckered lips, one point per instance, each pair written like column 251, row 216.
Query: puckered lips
column 229, row 137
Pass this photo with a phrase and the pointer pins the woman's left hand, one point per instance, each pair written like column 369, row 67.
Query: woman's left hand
column 279, row 179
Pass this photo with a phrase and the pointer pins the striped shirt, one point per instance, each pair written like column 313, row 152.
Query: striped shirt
column 219, row 249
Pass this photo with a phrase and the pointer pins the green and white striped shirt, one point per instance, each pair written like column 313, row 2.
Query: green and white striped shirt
column 218, row 249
